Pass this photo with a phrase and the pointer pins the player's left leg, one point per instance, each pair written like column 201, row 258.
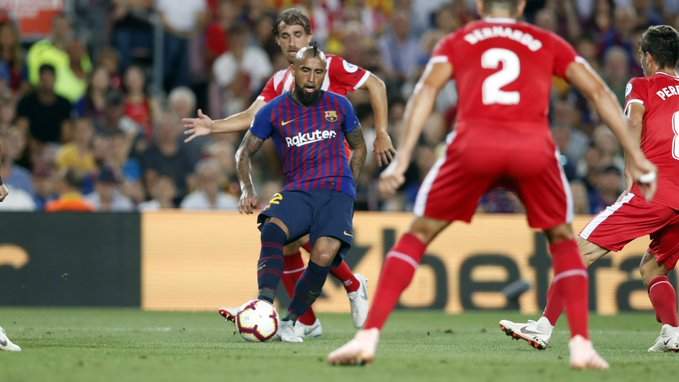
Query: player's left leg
column 539, row 333
column 397, row 273
column 293, row 268
column 6, row 344
column 309, row 286
column 657, row 262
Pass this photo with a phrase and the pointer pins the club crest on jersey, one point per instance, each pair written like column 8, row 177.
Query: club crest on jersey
column 331, row 116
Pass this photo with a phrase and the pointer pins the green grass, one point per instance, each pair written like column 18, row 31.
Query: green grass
column 130, row 345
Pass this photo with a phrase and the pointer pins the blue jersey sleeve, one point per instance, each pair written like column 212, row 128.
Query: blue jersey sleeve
column 262, row 127
column 351, row 121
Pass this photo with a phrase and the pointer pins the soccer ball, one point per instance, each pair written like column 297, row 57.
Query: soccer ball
column 257, row 321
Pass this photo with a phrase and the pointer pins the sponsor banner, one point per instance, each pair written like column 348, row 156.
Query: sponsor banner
column 199, row 261
column 69, row 259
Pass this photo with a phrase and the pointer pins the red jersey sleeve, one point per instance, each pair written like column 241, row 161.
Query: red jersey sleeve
column 564, row 55
column 635, row 91
column 269, row 91
column 346, row 75
column 443, row 51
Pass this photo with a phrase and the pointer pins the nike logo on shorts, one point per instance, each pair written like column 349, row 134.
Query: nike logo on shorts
column 347, row 234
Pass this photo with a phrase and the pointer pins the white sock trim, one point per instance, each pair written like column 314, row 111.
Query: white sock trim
column 404, row 257
column 570, row 273
column 658, row 283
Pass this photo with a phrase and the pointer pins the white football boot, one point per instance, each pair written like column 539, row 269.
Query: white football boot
column 359, row 351
column 290, row 331
column 229, row 313
column 583, row 355
column 313, row 330
column 667, row 341
column 536, row 333
column 7, row 344
column 359, row 302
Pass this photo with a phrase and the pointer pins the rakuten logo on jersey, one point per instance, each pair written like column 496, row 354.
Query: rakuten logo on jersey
column 302, row 139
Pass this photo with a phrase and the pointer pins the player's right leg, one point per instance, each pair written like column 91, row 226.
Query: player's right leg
column 398, row 271
column 6, row 344
column 293, row 268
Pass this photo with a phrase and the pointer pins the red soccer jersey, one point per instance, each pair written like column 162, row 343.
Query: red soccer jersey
column 341, row 77
column 660, row 134
column 503, row 71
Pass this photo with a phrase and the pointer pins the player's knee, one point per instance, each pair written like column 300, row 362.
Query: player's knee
column 291, row 249
column 323, row 258
column 651, row 269
column 272, row 233
column 559, row 233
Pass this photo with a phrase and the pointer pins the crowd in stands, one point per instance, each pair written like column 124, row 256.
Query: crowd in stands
column 90, row 116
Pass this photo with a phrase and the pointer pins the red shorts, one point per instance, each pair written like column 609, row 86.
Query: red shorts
column 631, row 217
column 525, row 163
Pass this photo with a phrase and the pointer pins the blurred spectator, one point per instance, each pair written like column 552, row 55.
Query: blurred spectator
column 13, row 69
column 401, row 51
column 117, row 157
column 580, row 199
column 94, row 104
column 607, row 188
column 132, row 33
column 77, row 156
column 43, row 111
column 181, row 20
column 208, row 195
column 70, row 197
column 217, row 33
column 616, row 71
column 166, row 156
column 182, row 102
column 17, row 200
column 66, row 55
column 138, row 106
column 107, row 195
column 241, row 71
column 13, row 175
column 163, row 194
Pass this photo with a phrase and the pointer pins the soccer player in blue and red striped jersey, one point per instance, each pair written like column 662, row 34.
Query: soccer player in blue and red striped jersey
column 309, row 127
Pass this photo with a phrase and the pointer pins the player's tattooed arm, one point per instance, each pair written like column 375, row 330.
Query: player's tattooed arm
column 357, row 143
column 248, row 146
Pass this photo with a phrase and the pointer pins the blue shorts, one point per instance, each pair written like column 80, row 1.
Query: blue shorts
column 318, row 213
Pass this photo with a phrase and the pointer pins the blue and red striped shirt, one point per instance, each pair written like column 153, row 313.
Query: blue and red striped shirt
column 310, row 141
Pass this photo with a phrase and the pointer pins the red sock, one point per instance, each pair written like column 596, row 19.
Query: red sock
column 293, row 268
column 397, row 273
column 554, row 306
column 571, row 281
column 344, row 274
column 308, row 247
column 664, row 300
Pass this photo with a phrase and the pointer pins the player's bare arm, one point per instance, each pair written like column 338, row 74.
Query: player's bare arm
column 635, row 119
column 417, row 111
column 3, row 190
column 359, row 152
column 204, row 125
column 583, row 77
column 383, row 148
column 248, row 198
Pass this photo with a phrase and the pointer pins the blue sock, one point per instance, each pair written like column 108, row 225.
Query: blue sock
column 270, row 265
column 307, row 290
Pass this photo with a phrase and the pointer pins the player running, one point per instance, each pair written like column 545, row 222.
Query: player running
column 5, row 342
column 503, row 71
column 653, row 111
column 292, row 31
column 308, row 127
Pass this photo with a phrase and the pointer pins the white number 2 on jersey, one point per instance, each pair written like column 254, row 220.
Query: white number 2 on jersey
column 511, row 68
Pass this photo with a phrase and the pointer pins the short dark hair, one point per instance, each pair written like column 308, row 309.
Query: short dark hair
column 662, row 43
column 292, row 16
column 46, row 68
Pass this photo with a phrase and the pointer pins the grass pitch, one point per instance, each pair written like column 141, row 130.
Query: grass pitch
column 130, row 345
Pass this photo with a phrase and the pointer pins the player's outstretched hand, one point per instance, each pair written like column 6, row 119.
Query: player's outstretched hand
column 247, row 203
column 4, row 191
column 392, row 177
column 644, row 173
column 196, row 127
column 384, row 149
